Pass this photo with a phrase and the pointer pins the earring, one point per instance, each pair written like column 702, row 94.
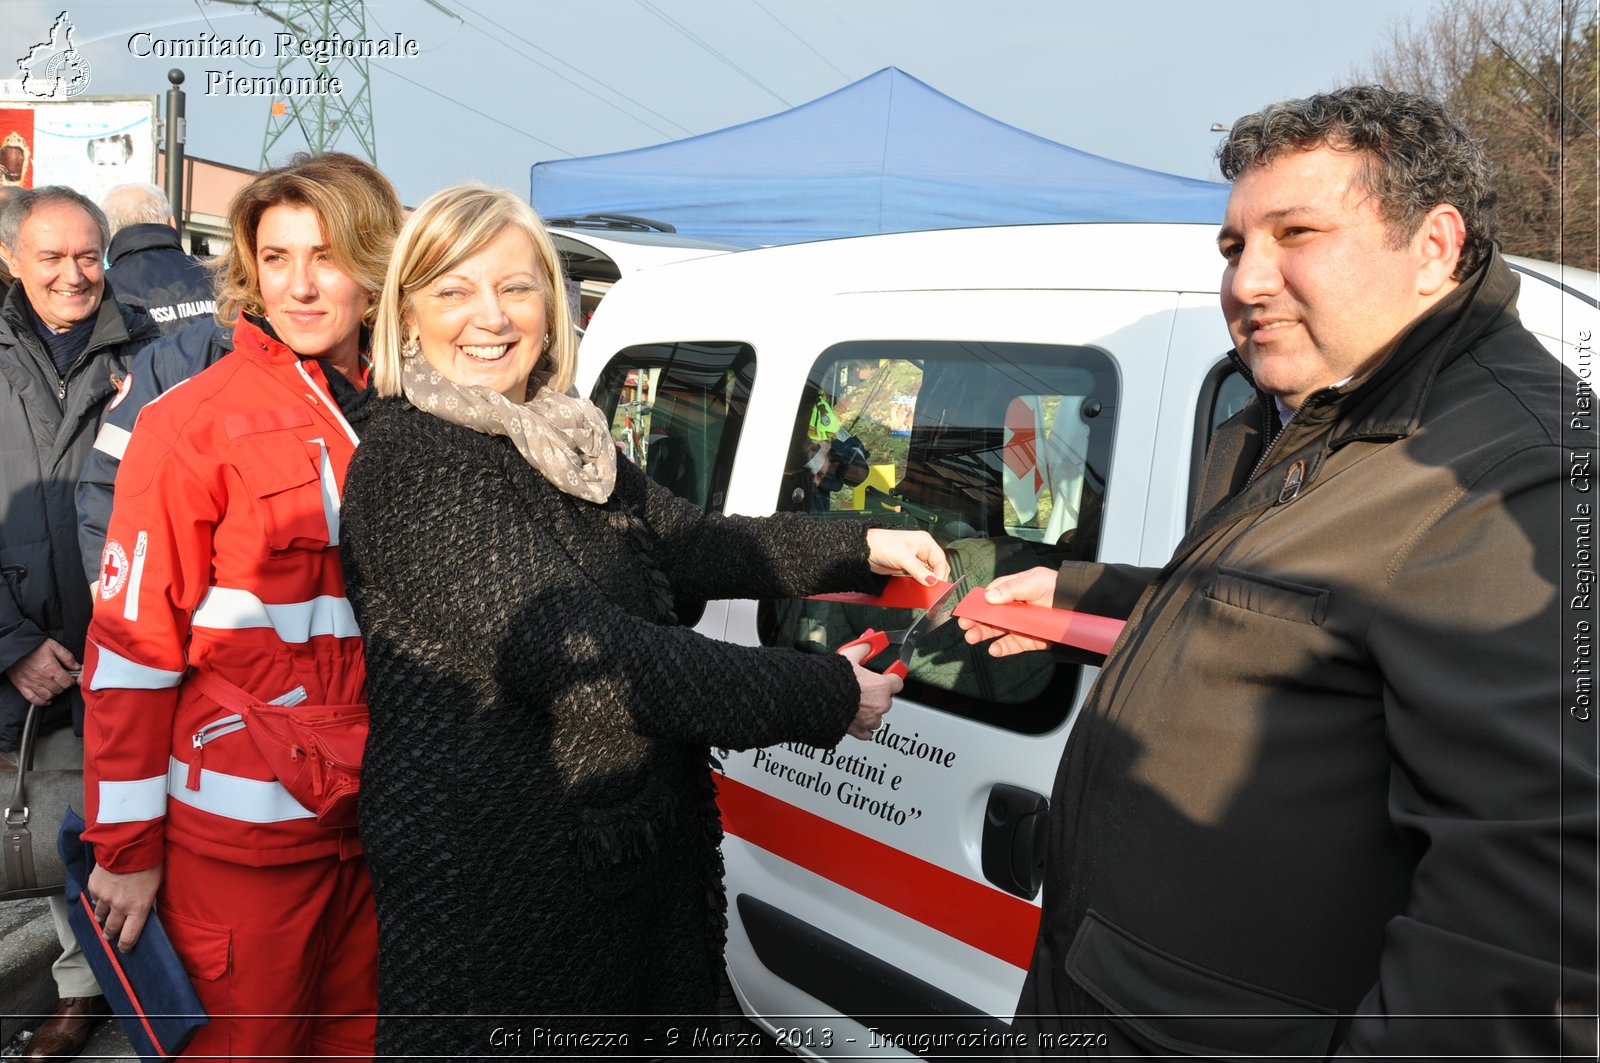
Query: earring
column 410, row 349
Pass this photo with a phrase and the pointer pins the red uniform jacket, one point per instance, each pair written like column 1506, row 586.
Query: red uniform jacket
column 222, row 554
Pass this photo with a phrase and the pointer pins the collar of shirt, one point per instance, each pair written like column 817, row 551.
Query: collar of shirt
column 1285, row 411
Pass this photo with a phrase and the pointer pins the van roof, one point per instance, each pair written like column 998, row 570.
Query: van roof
column 1121, row 256
column 1581, row 283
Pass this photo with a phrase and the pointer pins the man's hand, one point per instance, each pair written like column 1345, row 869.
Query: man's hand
column 1037, row 586
column 908, row 553
column 122, row 903
column 41, row 674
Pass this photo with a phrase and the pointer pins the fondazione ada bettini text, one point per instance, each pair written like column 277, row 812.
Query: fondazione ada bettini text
column 319, row 51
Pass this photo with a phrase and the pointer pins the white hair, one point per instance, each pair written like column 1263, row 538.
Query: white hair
column 136, row 204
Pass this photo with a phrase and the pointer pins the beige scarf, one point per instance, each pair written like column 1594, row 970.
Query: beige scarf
column 564, row 437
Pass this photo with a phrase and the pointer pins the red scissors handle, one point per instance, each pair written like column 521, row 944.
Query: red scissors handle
column 875, row 641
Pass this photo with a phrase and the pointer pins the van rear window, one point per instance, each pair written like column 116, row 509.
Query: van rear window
column 1000, row 450
column 677, row 409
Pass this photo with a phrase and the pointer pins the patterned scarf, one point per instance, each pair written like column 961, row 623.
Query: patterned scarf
column 564, row 437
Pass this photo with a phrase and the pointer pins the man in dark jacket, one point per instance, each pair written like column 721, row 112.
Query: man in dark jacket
column 149, row 268
column 1332, row 792
column 64, row 347
column 169, row 361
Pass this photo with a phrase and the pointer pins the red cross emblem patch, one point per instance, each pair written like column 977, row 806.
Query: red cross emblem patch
column 113, row 569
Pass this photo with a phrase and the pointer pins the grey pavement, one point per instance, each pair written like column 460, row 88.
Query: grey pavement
column 28, row 946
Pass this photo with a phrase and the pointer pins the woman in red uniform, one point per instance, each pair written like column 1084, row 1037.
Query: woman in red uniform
column 221, row 587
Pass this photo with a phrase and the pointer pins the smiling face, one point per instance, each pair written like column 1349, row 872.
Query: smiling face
column 314, row 306
column 482, row 323
column 1312, row 291
column 58, row 262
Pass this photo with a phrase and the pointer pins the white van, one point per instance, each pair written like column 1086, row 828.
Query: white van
column 597, row 249
column 1028, row 394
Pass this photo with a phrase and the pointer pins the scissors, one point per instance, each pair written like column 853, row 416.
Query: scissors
column 938, row 614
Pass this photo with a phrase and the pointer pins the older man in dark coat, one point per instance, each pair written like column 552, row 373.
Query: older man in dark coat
column 64, row 347
column 149, row 268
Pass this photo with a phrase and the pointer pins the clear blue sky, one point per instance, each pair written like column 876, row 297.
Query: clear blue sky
column 1136, row 80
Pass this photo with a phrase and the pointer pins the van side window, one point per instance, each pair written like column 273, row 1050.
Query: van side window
column 1233, row 391
column 1223, row 393
column 676, row 410
column 1000, row 450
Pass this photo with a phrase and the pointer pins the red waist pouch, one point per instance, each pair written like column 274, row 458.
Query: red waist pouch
column 314, row 750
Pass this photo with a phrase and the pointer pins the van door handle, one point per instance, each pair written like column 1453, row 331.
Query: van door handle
column 1013, row 839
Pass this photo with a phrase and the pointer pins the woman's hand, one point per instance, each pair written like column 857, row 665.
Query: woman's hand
column 906, row 553
column 1037, row 586
column 877, row 694
column 122, row 903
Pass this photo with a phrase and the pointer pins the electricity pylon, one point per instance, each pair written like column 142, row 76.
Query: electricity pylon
column 324, row 120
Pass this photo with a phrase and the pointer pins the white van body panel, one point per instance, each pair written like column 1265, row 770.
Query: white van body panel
column 1557, row 304
column 1147, row 296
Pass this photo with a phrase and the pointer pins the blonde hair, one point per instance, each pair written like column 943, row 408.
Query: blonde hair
column 357, row 206
column 447, row 229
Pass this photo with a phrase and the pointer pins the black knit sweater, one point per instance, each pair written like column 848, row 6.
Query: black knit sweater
column 536, row 802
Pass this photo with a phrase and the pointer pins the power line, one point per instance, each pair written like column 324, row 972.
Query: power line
column 681, row 28
column 801, row 39
column 1565, row 106
column 207, row 18
column 879, row 59
column 460, row 24
column 506, row 29
column 474, row 110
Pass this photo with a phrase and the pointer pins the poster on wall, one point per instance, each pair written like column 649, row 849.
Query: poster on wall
column 16, row 146
column 90, row 143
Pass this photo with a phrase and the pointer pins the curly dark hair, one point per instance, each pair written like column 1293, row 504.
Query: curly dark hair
column 1416, row 157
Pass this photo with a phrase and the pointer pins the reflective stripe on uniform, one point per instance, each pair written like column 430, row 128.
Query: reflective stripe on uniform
column 112, row 440
column 322, row 396
column 232, row 609
column 130, row 605
column 133, row 802
column 330, row 493
column 245, row 800
column 115, row 672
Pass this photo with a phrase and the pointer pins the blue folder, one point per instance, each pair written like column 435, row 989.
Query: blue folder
column 147, row 988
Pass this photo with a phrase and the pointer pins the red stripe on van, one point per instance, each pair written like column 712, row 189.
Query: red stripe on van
column 986, row 918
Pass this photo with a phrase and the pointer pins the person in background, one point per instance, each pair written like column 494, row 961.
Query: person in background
column 537, row 798
column 221, row 596
column 149, row 267
column 64, row 346
column 1325, row 797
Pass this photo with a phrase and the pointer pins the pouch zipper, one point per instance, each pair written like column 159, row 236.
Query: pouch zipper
column 227, row 725
column 209, row 733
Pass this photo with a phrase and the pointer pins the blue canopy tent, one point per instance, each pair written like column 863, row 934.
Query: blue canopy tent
column 884, row 154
